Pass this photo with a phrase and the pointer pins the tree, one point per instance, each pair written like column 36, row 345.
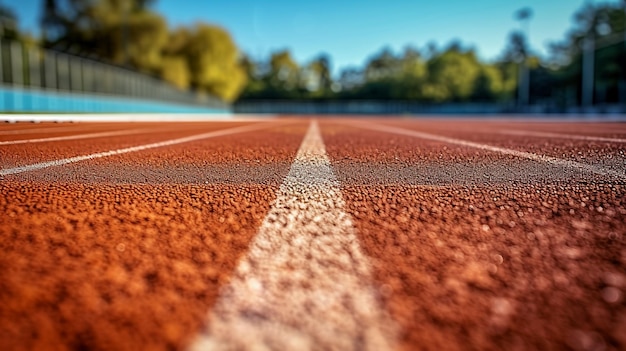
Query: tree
column 8, row 23
column 451, row 75
column 455, row 74
column 509, row 75
column 214, row 62
column 137, row 41
column 517, row 48
column 350, row 79
column 604, row 24
column 175, row 70
column 284, row 72
column 515, row 53
column 127, row 32
column 382, row 66
column 489, row 85
column 175, row 66
column 124, row 32
column 413, row 76
column 318, row 77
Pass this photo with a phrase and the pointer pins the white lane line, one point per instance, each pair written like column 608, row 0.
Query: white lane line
column 137, row 117
column 41, row 165
column 76, row 137
column 42, row 130
column 522, row 154
column 562, row 136
column 305, row 284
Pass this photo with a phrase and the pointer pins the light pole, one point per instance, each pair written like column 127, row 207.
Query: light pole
column 623, row 86
column 588, row 70
column 589, row 45
column 624, row 24
column 524, row 15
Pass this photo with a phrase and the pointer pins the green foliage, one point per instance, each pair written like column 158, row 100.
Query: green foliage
column 204, row 58
column 123, row 32
column 8, row 23
column 509, row 75
column 284, row 71
column 279, row 78
column 452, row 75
column 128, row 33
column 605, row 23
column 176, row 71
column 489, row 84
column 455, row 74
column 214, row 60
column 317, row 78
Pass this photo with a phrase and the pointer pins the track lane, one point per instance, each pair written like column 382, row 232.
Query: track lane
column 126, row 267
column 77, row 130
column 464, row 262
column 284, row 294
column 12, row 156
column 48, row 139
column 562, row 136
column 469, row 248
column 22, row 131
column 242, row 158
column 379, row 157
column 157, row 252
column 490, row 125
column 16, row 139
column 605, row 156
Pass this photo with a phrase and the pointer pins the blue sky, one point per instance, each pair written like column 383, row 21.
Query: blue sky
column 351, row 31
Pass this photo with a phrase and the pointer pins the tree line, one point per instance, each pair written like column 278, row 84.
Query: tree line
column 204, row 58
column 455, row 73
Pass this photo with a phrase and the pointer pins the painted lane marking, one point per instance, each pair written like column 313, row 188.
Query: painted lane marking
column 41, row 165
column 120, row 117
column 522, row 154
column 137, row 117
column 76, row 137
column 42, row 130
column 304, row 284
column 562, row 136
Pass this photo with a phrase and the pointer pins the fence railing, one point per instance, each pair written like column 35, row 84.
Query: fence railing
column 363, row 107
column 393, row 107
column 25, row 66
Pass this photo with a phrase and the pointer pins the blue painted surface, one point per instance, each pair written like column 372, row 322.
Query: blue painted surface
column 25, row 100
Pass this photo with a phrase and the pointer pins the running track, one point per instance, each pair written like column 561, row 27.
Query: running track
column 313, row 234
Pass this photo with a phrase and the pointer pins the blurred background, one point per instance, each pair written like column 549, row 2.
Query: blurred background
column 490, row 56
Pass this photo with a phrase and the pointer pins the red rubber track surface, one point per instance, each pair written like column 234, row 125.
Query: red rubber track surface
column 470, row 249
column 476, row 250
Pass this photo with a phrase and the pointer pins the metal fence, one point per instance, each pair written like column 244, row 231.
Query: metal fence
column 23, row 66
column 364, row 107
column 391, row 107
